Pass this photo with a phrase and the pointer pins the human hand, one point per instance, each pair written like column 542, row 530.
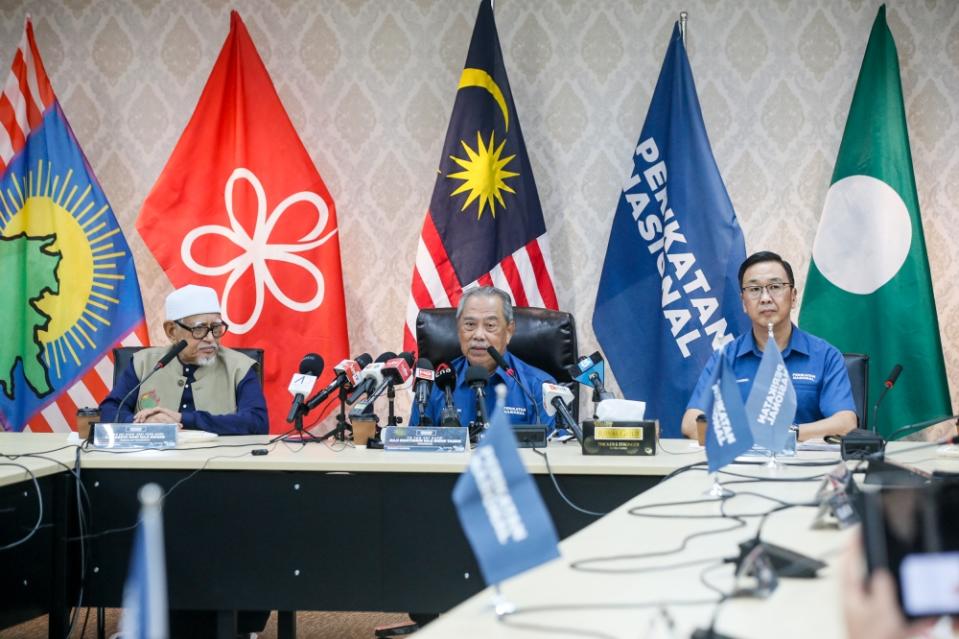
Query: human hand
column 157, row 415
column 871, row 608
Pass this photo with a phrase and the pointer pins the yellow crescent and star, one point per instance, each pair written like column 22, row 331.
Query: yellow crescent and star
column 484, row 171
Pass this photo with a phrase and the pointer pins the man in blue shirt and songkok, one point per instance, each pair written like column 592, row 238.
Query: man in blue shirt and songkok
column 484, row 318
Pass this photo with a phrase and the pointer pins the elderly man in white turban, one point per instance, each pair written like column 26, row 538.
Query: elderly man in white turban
column 206, row 387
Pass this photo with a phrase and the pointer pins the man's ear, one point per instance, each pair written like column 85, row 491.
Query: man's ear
column 510, row 329
column 169, row 328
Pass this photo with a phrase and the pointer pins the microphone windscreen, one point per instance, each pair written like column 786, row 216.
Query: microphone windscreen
column 363, row 360
column 424, row 363
column 385, row 356
column 497, row 357
column 407, row 357
column 477, row 375
column 445, row 379
column 311, row 364
column 894, row 375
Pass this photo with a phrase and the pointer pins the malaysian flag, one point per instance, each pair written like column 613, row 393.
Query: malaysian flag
column 484, row 225
column 70, row 282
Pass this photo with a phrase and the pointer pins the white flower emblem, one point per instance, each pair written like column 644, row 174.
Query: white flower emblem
column 257, row 250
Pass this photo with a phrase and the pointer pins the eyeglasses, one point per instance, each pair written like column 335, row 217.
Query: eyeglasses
column 200, row 331
column 775, row 289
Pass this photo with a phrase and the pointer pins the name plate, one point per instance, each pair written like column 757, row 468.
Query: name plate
column 429, row 439
column 134, row 435
column 619, row 438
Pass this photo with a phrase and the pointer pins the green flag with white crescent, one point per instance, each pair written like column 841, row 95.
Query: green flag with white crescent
column 869, row 289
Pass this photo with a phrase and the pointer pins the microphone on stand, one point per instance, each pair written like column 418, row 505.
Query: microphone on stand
column 445, row 380
column 501, row 362
column 424, row 375
column 555, row 401
column 175, row 350
column 476, row 378
column 311, row 366
column 347, row 376
column 370, row 377
column 590, row 371
column 886, row 385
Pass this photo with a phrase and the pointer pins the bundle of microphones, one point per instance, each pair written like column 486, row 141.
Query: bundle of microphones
column 362, row 380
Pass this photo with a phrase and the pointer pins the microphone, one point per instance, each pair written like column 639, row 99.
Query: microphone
column 886, row 385
column 175, row 350
column 445, row 380
column 555, row 400
column 396, row 371
column 347, row 375
column 591, row 371
column 476, row 377
column 370, row 377
column 501, row 362
column 424, row 375
column 920, row 425
column 302, row 383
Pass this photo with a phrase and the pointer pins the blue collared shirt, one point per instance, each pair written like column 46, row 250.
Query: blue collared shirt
column 816, row 367
column 518, row 408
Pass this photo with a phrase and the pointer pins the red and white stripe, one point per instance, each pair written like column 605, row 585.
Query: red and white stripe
column 26, row 95
column 58, row 416
column 526, row 275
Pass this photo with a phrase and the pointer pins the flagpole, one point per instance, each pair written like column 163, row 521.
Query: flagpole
column 683, row 16
column 773, row 465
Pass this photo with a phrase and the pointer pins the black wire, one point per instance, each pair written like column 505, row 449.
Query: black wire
column 166, row 493
column 559, row 490
column 507, row 618
column 36, row 526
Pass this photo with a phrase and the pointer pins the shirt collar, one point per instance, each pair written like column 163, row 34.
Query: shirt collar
column 496, row 377
column 798, row 341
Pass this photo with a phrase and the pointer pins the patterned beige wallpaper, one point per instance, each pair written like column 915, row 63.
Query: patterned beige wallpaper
column 369, row 85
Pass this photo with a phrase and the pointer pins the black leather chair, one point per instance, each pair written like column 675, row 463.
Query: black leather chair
column 857, row 366
column 543, row 338
column 123, row 355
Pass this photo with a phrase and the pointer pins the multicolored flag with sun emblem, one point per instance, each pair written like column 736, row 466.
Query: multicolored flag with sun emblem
column 72, row 290
column 484, row 225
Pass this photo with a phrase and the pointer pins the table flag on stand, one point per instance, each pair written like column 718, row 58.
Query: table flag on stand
column 727, row 430
column 771, row 405
column 145, row 612
column 500, row 508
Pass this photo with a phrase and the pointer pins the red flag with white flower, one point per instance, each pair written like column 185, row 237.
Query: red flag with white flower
column 241, row 207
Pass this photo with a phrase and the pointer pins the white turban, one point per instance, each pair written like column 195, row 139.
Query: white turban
column 191, row 300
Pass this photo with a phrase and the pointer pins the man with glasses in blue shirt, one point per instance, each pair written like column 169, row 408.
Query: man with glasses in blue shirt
column 207, row 387
column 823, row 393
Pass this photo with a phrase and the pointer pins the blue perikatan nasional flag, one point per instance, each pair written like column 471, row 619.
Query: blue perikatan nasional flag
column 500, row 508
column 771, row 405
column 70, row 284
column 145, row 610
column 727, row 427
column 669, row 292
column 484, row 225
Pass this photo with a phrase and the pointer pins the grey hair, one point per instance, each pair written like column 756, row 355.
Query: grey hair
column 488, row 291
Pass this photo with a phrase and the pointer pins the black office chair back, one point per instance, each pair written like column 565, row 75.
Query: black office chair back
column 857, row 366
column 123, row 355
column 543, row 338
